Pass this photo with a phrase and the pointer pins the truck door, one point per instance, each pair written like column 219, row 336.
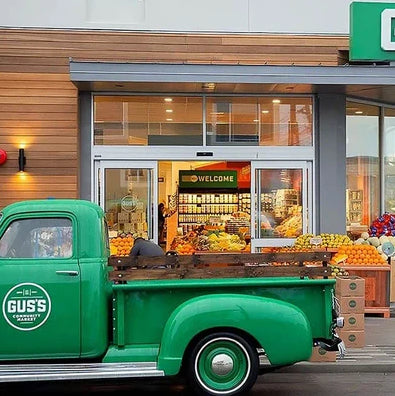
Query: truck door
column 39, row 288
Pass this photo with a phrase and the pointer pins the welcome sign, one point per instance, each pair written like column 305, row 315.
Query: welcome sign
column 372, row 31
column 208, row 179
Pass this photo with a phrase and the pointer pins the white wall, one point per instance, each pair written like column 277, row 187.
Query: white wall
column 248, row 16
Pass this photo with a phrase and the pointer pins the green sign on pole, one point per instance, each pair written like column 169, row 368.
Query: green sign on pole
column 372, row 31
column 208, row 179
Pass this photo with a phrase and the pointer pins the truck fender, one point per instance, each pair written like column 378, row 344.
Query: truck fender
column 279, row 327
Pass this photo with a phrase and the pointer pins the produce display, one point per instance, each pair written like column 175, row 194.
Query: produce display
column 204, row 240
column 376, row 242
column 327, row 241
column 358, row 255
column 121, row 245
column 383, row 225
column 288, row 249
column 338, row 271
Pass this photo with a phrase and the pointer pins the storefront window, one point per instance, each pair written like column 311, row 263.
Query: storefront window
column 259, row 121
column 148, row 120
column 279, row 207
column 128, row 202
column 363, row 170
column 389, row 160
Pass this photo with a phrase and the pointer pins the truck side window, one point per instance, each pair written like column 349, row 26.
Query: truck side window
column 38, row 238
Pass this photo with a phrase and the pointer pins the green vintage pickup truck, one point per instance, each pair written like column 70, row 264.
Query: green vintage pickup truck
column 63, row 317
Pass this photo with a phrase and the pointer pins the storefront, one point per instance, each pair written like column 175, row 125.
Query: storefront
column 192, row 166
column 288, row 149
column 307, row 128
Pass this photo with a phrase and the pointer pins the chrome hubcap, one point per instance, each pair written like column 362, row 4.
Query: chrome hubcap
column 222, row 364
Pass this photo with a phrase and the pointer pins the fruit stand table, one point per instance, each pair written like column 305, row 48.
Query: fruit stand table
column 377, row 287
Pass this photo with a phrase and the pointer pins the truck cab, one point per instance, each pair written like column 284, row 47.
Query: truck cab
column 53, row 281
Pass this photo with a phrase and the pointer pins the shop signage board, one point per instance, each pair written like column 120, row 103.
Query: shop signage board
column 208, row 179
column 372, row 31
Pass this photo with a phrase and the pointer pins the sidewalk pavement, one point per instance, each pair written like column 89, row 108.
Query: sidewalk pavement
column 378, row 355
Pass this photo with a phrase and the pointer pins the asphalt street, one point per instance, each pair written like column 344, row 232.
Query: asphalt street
column 273, row 384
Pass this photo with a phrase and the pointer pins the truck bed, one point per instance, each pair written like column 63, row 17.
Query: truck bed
column 222, row 265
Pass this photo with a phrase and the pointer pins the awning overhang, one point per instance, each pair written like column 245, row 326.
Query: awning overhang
column 373, row 82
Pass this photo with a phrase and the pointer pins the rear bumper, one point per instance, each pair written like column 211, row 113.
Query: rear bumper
column 328, row 345
column 333, row 343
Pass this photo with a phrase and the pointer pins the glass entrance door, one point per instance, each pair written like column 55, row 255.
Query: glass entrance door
column 281, row 198
column 127, row 192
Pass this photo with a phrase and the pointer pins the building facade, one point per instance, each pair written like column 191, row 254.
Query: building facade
column 114, row 104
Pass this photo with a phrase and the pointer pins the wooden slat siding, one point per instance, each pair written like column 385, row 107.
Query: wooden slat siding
column 39, row 110
column 55, row 47
column 30, row 50
column 38, row 103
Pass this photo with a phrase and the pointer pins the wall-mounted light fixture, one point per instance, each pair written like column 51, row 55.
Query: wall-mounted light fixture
column 21, row 160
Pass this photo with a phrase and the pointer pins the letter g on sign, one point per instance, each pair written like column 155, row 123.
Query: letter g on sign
column 386, row 22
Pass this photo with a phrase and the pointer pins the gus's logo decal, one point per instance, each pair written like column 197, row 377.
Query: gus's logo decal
column 26, row 306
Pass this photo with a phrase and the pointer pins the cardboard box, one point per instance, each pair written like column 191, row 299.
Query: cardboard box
column 354, row 321
column 321, row 355
column 351, row 305
column 350, row 286
column 352, row 338
column 123, row 217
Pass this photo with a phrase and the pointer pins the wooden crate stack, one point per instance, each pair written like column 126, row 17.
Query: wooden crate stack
column 350, row 292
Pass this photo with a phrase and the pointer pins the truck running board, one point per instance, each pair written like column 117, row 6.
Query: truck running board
column 75, row 371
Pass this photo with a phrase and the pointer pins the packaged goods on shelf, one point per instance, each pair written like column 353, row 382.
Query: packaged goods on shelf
column 238, row 223
column 284, row 200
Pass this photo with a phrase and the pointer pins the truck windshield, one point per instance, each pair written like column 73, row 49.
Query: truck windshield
column 37, row 238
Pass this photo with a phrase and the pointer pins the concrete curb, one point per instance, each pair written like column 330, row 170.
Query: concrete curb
column 340, row 367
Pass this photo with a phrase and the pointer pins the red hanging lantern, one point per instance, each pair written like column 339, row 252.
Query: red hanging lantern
column 3, row 156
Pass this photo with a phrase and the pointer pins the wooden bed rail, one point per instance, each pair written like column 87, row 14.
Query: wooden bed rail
column 221, row 265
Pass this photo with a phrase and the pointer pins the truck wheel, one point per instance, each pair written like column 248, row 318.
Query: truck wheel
column 222, row 364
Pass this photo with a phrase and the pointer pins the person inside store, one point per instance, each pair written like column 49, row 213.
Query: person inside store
column 145, row 247
column 161, row 222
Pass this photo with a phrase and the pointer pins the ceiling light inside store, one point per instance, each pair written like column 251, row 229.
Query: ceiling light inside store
column 265, row 111
column 208, row 86
column 169, row 110
column 256, row 120
column 359, row 112
column 169, row 119
column 168, row 100
column 276, row 101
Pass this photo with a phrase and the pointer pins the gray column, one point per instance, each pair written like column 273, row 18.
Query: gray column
column 85, row 181
column 331, row 164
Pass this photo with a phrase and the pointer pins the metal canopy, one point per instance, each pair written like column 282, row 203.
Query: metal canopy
column 366, row 82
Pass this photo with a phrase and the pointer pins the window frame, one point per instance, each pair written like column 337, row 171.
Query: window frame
column 33, row 216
